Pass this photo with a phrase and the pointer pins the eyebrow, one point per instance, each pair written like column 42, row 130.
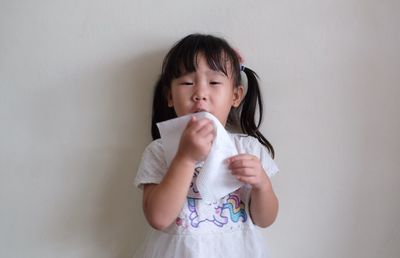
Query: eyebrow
column 220, row 73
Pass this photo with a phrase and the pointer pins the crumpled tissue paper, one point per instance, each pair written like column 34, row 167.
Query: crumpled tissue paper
column 215, row 179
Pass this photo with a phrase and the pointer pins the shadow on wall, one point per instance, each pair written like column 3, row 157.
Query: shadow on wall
column 105, row 215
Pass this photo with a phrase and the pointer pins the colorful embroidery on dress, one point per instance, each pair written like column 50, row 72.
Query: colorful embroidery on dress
column 196, row 219
column 234, row 207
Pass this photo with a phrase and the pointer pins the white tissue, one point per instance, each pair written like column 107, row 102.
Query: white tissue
column 215, row 179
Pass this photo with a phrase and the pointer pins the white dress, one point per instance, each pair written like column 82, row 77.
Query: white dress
column 221, row 229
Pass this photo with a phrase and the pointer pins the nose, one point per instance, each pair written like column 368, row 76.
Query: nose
column 200, row 94
column 197, row 97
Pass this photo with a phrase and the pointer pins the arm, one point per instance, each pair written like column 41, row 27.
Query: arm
column 263, row 201
column 263, row 205
column 163, row 202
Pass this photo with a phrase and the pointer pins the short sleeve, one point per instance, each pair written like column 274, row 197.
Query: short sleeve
column 249, row 144
column 267, row 162
column 153, row 166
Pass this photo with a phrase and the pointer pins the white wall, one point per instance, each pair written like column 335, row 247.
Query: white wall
column 76, row 82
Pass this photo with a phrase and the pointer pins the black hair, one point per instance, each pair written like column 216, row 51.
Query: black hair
column 219, row 54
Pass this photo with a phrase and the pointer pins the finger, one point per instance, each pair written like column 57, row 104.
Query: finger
column 244, row 172
column 239, row 157
column 206, row 139
column 207, row 129
column 195, row 124
column 204, row 125
column 192, row 122
column 246, row 179
column 242, row 163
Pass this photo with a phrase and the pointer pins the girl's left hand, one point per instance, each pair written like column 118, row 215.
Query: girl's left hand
column 247, row 168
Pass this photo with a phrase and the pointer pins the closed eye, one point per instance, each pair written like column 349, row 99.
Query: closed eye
column 186, row 83
column 215, row 82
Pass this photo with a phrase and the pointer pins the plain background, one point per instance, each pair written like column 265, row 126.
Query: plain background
column 76, row 82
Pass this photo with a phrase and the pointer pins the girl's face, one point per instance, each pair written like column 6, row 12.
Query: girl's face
column 205, row 90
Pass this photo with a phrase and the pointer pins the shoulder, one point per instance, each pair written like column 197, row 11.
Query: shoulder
column 155, row 145
column 240, row 137
column 152, row 166
column 246, row 143
column 154, row 149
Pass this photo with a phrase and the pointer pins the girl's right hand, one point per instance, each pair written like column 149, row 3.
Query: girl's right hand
column 196, row 140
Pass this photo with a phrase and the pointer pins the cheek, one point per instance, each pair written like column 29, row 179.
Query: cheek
column 177, row 98
column 181, row 94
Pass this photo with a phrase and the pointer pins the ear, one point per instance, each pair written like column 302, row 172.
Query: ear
column 237, row 95
column 169, row 99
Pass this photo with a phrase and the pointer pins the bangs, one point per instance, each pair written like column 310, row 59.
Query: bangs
column 184, row 55
column 187, row 61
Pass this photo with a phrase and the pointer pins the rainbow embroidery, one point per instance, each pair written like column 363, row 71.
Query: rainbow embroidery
column 236, row 208
column 232, row 209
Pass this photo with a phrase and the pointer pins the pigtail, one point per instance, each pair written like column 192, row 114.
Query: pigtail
column 248, row 110
column 161, row 111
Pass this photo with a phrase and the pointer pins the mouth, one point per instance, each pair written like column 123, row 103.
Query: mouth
column 200, row 110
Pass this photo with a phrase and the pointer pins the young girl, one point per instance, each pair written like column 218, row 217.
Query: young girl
column 203, row 73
